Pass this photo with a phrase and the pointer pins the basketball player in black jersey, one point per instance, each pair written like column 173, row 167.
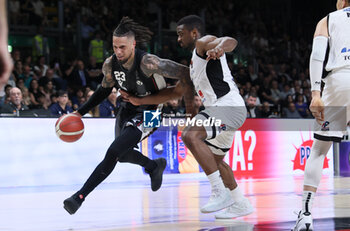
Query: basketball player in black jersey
column 209, row 61
column 140, row 74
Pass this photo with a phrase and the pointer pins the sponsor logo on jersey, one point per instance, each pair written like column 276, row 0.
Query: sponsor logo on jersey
column 346, row 51
column 324, row 126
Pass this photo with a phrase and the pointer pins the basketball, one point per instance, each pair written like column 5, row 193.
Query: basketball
column 69, row 128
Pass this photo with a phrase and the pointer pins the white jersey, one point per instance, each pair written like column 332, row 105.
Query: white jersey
column 339, row 40
column 213, row 82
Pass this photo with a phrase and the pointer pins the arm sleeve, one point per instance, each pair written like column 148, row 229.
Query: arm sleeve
column 99, row 95
column 319, row 48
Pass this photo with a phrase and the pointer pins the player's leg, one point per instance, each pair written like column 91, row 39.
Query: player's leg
column 129, row 137
column 312, row 178
column 241, row 205
column 194, row 137
column 154, row 168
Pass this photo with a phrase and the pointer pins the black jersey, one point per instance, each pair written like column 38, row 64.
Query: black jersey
column 134, row 81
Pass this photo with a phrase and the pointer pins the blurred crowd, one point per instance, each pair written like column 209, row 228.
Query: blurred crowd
column 270, row 64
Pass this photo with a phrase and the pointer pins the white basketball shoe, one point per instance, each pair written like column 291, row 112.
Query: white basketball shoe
column 237, row 209
column 218, row 200
column 304, row 222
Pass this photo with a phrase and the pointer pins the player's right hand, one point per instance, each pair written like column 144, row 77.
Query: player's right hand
column 317, row 109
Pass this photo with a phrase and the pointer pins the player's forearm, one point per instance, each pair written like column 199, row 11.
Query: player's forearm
column 99, row 95
column 162, row 96
column 228, row 44
column 317, row 57
column 316, row 94
column 3, row 22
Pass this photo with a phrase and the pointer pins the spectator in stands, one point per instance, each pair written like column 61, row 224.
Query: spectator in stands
column 28, row 60
column 78, row 99
column 252, row 109
column 286, row 91
column 18, row 69
column 40, row 45
column 79, row 77
column 265, row 110
column 34, row 93
column 26, row 97
column 275, row 92
column 97, row 48
column 302, row 106
column 173, row 108
column 41, row 68
column 61, row 106
column 5, row 98
column 291, row 111
column 198, row 104
column 95, row 72
column 109, row 106
column 95, row 112
column 16, row 55
column 27, row 75
column 48, row 90
column 16, row 103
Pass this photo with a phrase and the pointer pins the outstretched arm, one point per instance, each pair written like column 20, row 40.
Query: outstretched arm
column 176, row 92
column 103, row 91
column 6, row 64
column 151, row 64
column 214, row 47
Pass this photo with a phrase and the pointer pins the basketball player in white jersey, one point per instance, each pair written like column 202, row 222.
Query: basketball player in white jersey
column 214, row 83
column 332, row 110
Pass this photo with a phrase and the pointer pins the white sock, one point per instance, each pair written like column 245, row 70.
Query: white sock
column 236, row 194
column 308, row 200
column 216, row 181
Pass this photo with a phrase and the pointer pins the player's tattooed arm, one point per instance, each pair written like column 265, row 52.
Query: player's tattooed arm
column 151, row 64
column 108, row 81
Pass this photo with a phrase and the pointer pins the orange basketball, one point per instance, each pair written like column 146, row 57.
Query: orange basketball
column 69, row 128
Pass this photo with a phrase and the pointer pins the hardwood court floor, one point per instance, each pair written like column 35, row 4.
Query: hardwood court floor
column 133, row 206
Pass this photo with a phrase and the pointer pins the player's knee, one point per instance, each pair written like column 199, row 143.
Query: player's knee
column 189, row 138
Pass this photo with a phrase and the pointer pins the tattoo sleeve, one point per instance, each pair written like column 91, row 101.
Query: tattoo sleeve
column 108, row 80
column 151, row 64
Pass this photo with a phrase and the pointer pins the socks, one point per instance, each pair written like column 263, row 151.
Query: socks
column 308, row 199
column 236, row 194
column 216, row 181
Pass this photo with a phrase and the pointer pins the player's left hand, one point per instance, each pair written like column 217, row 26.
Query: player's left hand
column 215, row 53
column 130, row 98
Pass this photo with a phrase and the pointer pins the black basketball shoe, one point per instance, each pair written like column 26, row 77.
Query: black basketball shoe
column 73, row 203
column 157, row 174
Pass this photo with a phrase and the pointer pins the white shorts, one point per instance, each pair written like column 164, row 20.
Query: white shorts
column 220, row 138
column 336, row 98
